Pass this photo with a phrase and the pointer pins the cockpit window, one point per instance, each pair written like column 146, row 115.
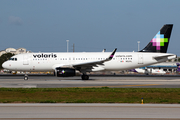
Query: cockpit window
column 13, row 59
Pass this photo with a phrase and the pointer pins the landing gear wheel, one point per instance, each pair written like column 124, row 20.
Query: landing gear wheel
column 85, row 77
column 25, row 77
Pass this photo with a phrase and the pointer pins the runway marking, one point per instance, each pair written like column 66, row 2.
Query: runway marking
column 117, row 86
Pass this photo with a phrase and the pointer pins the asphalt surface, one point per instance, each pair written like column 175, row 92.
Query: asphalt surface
column 112, row 81
column 90, row 111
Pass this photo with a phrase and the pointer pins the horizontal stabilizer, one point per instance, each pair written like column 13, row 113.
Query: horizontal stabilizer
column 164, row 56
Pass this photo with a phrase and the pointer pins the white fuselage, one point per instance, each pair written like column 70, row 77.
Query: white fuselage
column 50, row 61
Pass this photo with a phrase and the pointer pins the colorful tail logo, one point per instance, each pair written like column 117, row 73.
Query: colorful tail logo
column 161, row 40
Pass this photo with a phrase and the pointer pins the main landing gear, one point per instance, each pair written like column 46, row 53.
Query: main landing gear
column 85, row 77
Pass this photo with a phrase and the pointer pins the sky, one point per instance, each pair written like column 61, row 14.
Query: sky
column 91, row 25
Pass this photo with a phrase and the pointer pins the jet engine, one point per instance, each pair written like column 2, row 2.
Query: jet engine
column 65, row 72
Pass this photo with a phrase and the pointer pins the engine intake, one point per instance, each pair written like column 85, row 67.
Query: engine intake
column 65, row 72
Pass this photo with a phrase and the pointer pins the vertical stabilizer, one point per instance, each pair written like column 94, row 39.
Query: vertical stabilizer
column 160, row 41
column 178, row 67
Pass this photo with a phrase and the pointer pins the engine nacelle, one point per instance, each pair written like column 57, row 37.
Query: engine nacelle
column 65, row 72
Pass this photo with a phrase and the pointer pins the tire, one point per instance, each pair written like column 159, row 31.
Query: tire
column 25, row 78
column 85, row 77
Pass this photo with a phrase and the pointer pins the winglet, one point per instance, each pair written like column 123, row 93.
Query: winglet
column 112, row 54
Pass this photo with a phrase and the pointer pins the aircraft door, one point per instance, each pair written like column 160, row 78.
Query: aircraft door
column 25, row 60
column 140, row 59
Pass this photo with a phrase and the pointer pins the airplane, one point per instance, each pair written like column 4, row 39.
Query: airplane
column 178, row 67
column 160, row 68
column 148, row 70
column 66, row 64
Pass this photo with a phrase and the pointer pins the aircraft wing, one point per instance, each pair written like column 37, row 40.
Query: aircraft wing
column 90, row 65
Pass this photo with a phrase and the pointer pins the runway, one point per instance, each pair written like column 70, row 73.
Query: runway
column 117, row 81
column 90, row 111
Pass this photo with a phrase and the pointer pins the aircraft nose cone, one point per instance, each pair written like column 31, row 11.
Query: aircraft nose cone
column 5, row 65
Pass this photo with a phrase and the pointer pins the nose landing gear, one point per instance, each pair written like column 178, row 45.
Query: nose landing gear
column 26, row 77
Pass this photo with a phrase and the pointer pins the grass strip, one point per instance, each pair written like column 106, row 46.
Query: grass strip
column 89, row 95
